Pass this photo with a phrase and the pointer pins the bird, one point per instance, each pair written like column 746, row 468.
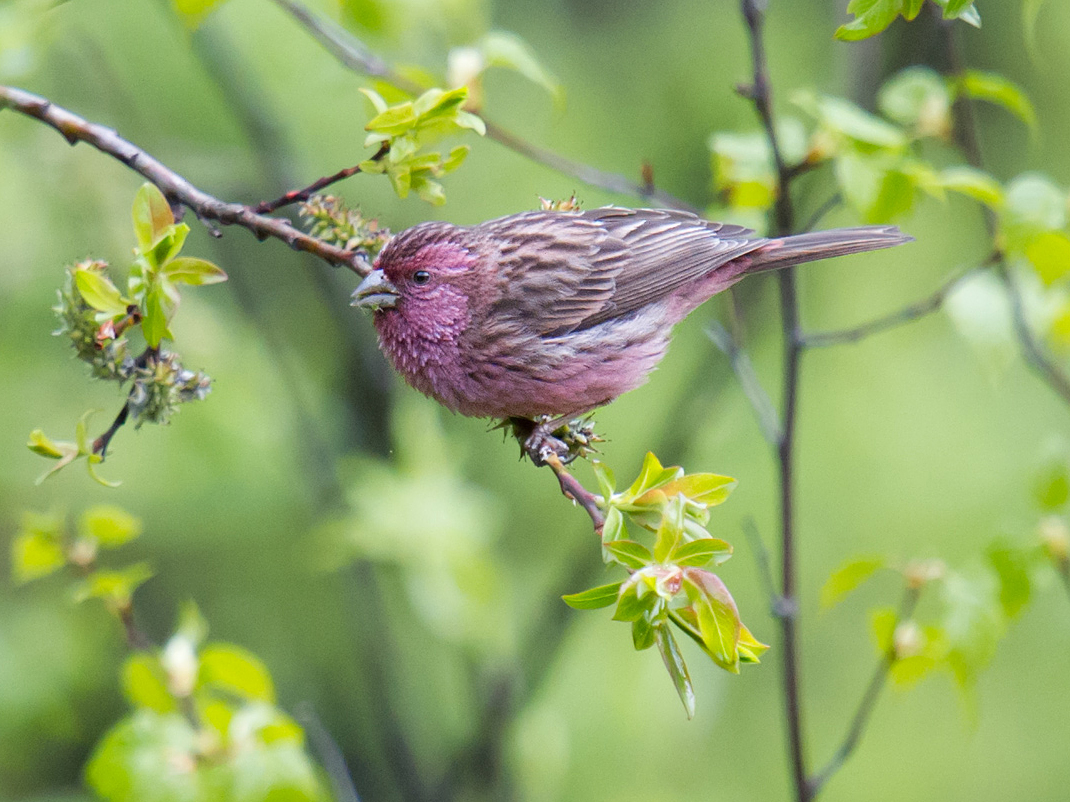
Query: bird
column 548, row 315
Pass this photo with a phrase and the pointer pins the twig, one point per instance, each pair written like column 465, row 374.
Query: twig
column 784, row 215
column 868, row 702
column 812, row 222
column 1032, row 351
column 76, row 129
column 907, row 314
column 100, row 445
column 302, row 195
column 765, row 568
column 356, row 56
column 330, row 754
column 741, row 364
column 135, row 638
column 572, row 489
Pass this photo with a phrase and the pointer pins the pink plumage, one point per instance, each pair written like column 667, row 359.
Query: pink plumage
column 556, row 313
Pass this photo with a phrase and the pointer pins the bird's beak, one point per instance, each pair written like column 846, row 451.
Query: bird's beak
column 375, row 292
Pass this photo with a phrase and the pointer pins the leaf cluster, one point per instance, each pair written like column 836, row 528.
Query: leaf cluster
column 873, row 16
column 670, row 583
column 205, row 725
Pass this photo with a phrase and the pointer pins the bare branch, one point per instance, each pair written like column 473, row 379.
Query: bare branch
column 764, row 411
column 302, row 195
column 75, row 129
column 907, row 314
column 356, row 56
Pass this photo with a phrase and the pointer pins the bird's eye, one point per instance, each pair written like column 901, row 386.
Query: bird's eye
column 421, row 277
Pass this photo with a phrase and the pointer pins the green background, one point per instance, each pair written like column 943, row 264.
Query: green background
column 914, row 443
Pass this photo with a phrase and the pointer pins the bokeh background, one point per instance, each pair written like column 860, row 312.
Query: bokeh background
column 395, row 566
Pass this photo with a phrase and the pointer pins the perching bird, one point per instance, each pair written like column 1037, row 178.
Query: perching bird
column 557, row 313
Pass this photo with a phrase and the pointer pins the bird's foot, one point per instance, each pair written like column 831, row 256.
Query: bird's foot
column 548, row 436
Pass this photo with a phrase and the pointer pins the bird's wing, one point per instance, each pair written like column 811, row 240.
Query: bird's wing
column 571, row 271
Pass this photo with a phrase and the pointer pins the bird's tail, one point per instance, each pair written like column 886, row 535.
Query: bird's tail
column 787, row 251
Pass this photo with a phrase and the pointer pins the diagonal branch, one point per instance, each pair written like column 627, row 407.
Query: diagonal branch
column 75, row 129
column 356, row 56
column 907, row 314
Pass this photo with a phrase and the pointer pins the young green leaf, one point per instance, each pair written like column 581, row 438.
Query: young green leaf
column 873, row 16
column 847, row 577
column 188, row 270
column 699, row 553
column 152, row 216
column 671, row 529
column 235, row 671
column 1051, row 488
column 750, row 648
column 997, row 89
column 110, row 526
column 116, row 588
column 677, row 668
column 629, row 553
column 630, row 605
column 1011, row 566
column 973, row 183
column 1049, row 253
column 145, row 683
column 718, row 617
column 506, row 49
column 148, row 755
column 651, row 475
column 642, row 634
column 918, row 97
column 36, row 553
column 98, row 292
column 594, row 598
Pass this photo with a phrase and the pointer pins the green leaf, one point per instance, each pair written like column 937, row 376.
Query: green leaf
column 1051, row 488
column 613, row 529
column 961, row 9
column 670, row 530
column 110, row 526
column 194, row 12
column 152, row 216
column 36, row 553
column 506, row 49
column 1011, row 566
column 698, row 553
column 843, row 117
column 235, row 671
column 629, row 553
column 168, row 245
column 377, row 100
column 750, row 648
column 677, row 668
column 145, row 684
column 594, row 598
column 718, row 617
column 473, row 122
column 879, row 190
column 631, row 605
column 708, row 489
column 847, row 577
column 1049, row 253
column 39, row 443
column 607, row 482
column 882, row 624
column 1034, row 201
column 157, row 316
column 98, row 292
column 91, row 463
column 997, row 89
column 651, row 475
column 116, row 588
column 918, row 97
column 873, row 16
column 189, row 270
column 973, row 183
column 642, row 634
column 394, row 120
column 147, row 756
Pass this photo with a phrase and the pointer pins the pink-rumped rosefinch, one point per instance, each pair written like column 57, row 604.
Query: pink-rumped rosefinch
column 556, row 313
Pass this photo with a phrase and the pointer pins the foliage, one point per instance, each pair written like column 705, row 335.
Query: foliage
column 670, row 584
column 873, row 16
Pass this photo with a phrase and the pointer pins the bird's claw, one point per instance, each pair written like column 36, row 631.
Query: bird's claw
column 549, row 437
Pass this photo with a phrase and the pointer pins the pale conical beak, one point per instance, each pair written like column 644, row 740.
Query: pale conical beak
column 375, row 292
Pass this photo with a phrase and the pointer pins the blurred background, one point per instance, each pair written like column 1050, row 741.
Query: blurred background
column 395, row 566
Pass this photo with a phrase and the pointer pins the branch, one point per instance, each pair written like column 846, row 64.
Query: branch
column 572, row 489
column 907, row 314
column 356, row 56
column 302, row 195
column 764, row 411
column 868, row 702
column 784, row 215
column 75, row 129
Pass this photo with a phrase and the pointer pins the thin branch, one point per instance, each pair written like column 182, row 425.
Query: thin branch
column 1032, row 351
column 330, row 754
column 907, row 314
column 868, row 702
column 100, row 445
column 812, row 222
column 765, row 568
column 784, row 215
column 572, row 489
column 75, row 129
column 356, row 56
column 302, row 195
column 764, row 411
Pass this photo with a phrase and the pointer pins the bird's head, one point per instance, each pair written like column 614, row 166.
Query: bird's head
column 422, row 283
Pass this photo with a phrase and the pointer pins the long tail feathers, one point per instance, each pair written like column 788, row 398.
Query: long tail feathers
column 787, row 251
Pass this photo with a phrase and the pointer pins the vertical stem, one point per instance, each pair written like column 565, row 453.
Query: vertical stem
column 784, row 223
